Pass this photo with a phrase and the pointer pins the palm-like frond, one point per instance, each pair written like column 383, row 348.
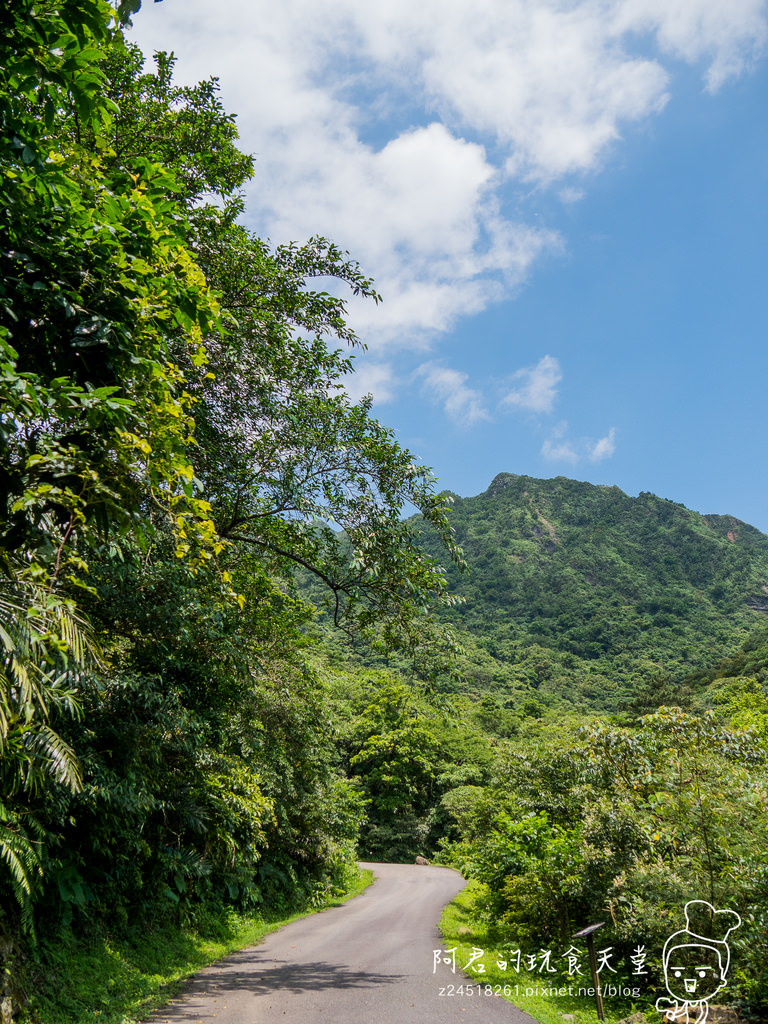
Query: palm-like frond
column 22, row 861
column 51, row 756
column 44, row 645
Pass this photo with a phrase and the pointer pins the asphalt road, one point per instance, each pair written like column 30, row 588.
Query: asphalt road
column 369, row 961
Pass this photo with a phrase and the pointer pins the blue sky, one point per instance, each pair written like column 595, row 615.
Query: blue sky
column 563, row 205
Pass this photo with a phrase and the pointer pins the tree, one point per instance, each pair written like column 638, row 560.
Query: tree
column 177, row 454
column 95, row 422
column 630, row 823
column 393, row 754
column 289, row 465
column 97, row 280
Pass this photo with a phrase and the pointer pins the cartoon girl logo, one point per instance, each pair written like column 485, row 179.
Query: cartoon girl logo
column 696, row 961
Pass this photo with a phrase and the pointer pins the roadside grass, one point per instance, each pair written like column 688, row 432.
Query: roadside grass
column 102, row 980
column 548, row 1001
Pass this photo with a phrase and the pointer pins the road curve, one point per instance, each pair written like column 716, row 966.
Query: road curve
column 369, row 961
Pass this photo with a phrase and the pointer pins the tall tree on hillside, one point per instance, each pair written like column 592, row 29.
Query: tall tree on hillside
column 175, row 444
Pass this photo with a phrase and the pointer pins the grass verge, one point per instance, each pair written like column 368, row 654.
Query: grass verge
column 121, row 981
column 548, row 1001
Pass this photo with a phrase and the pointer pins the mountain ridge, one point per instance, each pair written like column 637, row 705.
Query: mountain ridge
column 580, row 591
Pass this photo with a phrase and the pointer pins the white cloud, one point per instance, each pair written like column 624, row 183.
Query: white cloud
column 538, row 389
column 369, row 378
column 570, row 195
column 462, row 404
column 394, row 128
column 559, row 451
column 605, row 447
column 729, row 35
column 558, row 448
column 545, row 79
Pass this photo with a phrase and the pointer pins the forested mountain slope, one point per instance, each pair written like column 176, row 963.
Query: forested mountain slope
column 584, row 593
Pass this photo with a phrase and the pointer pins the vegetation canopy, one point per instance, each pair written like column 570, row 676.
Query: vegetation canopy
column 176, row 443
column 193, row 512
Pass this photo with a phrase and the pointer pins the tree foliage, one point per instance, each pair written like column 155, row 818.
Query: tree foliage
column 626, row 825
column 177, row 450
column 583, row 595
column 404, row 753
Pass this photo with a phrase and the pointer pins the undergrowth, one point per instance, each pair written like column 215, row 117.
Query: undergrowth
column 101, row 979
column 549, row 999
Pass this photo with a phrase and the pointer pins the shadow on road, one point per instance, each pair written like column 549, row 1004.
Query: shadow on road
column 242, row 973
column 310, row 976
column 248, row 971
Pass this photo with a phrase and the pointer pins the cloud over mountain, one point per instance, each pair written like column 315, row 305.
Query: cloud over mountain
column 398, row 129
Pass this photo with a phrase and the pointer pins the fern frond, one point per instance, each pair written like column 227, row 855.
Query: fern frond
column 23, row 866
column 61, row 759
column 45, row 644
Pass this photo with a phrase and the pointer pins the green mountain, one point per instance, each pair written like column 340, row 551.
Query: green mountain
column 586, row 595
